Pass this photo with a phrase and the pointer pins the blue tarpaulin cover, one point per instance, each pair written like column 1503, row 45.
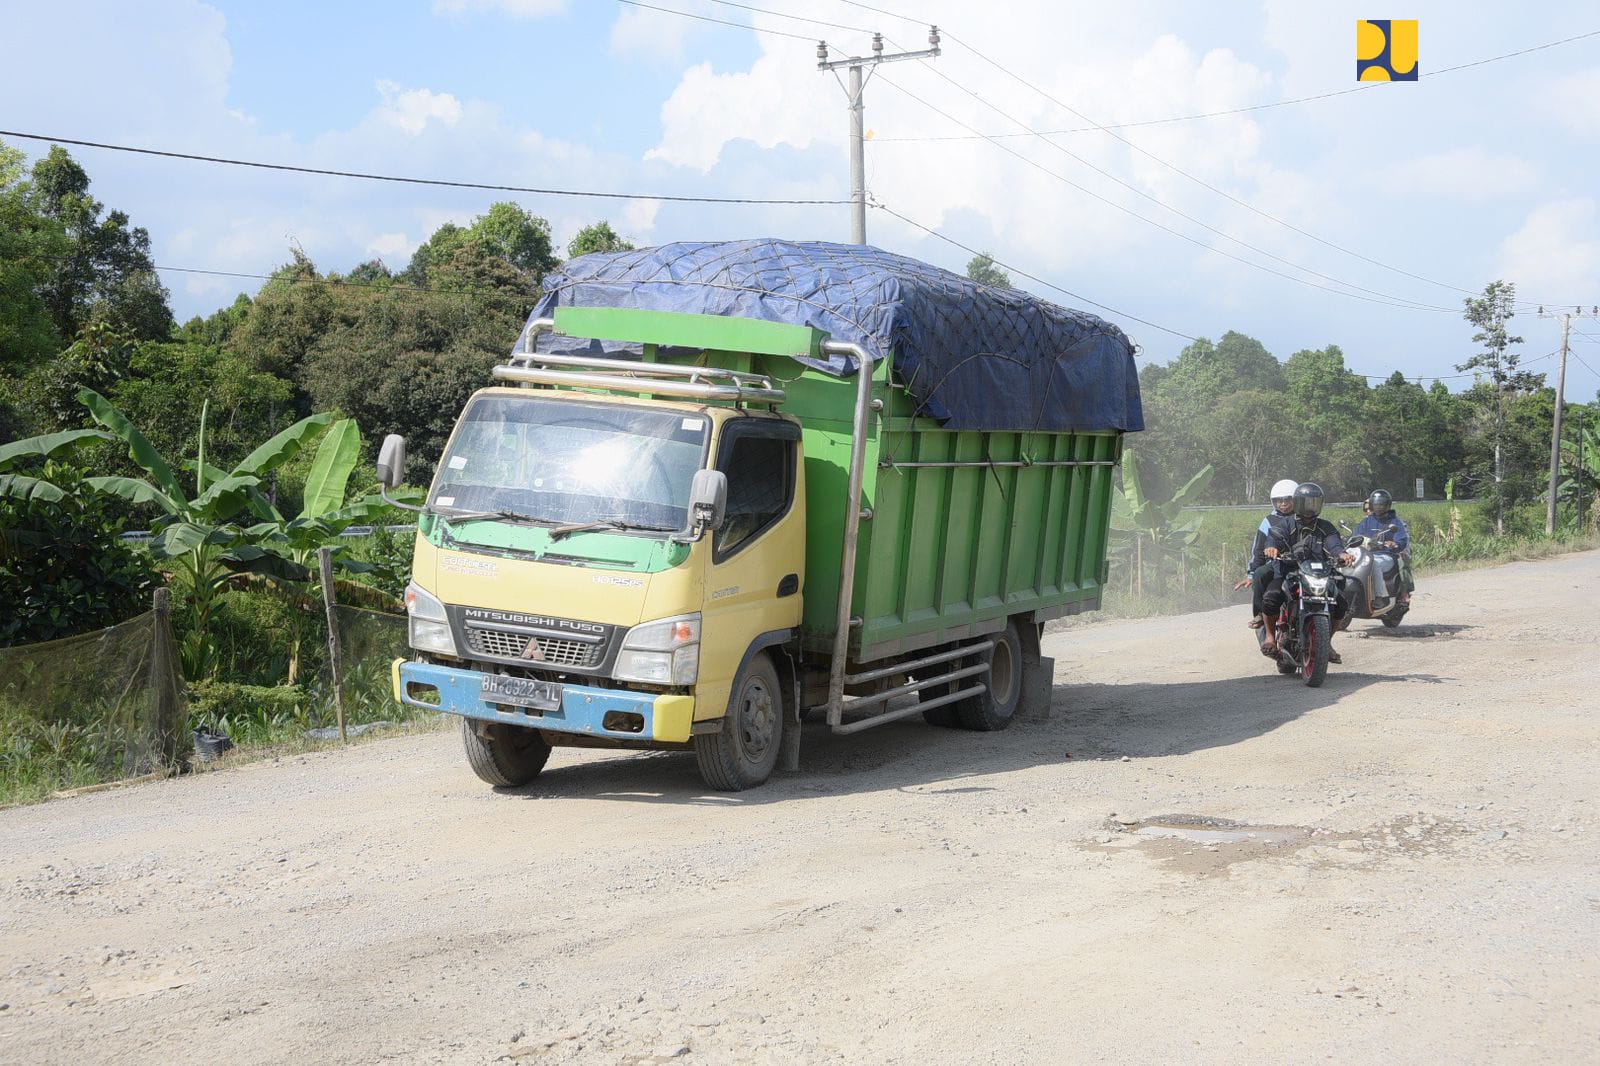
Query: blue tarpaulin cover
column 972, row 356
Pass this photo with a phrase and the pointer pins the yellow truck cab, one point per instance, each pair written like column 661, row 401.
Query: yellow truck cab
column 691, row 542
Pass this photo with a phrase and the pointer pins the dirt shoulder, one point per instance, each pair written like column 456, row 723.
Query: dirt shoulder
column 1421, row 886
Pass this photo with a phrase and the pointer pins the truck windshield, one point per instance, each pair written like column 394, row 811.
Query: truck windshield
column 567, row 462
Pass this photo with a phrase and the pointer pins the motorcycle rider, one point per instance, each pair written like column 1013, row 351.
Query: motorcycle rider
column 1380, row 516
column 1260, row 569
column 1308, row 525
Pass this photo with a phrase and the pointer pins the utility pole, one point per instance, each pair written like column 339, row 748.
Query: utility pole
column 858, row 168
column 1555, row 426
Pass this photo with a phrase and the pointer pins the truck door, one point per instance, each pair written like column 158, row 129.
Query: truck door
column 757, row 557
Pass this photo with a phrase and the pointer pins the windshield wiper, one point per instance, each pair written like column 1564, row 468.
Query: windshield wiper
column 474, row 516
column 605, row 523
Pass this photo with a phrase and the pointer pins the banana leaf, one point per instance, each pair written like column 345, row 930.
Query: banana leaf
column 46, row 445
column 140, row 450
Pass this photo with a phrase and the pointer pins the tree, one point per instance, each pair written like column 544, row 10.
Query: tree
column 27, row 246
column 1246, row 438
column 1327, row 412
column 507, row 232
column 1499, row 364
column 107, row 272
column 599, row 237
column 981, row 268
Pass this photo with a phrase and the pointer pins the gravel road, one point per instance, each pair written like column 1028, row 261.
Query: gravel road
column 1420, row 883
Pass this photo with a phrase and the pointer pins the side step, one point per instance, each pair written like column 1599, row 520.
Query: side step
column 836, row 712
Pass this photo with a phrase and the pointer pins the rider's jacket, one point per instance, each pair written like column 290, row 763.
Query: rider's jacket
column 1321, row 531
column 1372, row 525
column 1274, row 528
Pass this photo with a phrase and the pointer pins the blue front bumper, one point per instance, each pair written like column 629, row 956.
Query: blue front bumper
column 583, row 709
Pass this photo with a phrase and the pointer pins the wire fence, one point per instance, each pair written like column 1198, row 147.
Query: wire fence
column 92, row 708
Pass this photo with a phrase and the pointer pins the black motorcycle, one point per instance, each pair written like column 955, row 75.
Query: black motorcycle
column 1305, row 624
column 1373, row 580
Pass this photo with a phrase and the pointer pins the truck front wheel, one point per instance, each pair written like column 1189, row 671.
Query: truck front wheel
column 742, row 753
column 507, row 756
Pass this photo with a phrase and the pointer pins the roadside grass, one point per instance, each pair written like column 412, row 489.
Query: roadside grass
column 1444, row 537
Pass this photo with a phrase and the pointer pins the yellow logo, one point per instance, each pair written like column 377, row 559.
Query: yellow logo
column 1386, row 49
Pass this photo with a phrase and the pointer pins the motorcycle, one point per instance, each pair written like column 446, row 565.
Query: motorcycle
column 1305, row 623
column 1374, row 580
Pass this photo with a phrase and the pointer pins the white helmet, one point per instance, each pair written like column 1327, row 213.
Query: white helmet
column 1283, row 490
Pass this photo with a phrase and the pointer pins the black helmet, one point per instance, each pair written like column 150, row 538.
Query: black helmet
column 1308, row 501
column 1380, row 501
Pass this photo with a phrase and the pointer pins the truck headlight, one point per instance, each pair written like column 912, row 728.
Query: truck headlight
column 429, row 627
column 664, row 652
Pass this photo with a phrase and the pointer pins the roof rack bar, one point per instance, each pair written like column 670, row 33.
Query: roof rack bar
column 617, row 382
column 634, row 366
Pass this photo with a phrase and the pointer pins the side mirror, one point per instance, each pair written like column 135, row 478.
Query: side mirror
column 708, row 502
column 392, row 461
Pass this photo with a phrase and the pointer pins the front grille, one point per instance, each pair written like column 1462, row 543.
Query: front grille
column 552, row 651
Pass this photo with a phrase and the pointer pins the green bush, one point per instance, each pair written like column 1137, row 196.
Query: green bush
column 249, row 713
column 63, row 567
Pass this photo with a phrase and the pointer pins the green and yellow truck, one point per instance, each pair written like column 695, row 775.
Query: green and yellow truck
column 721, row 489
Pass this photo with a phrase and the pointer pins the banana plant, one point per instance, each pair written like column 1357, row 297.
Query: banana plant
column 195, row 529
column 1580, row 467
column 1146, row 524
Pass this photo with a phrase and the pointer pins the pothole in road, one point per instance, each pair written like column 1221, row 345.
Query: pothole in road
column 1199, row 829
column 1206, row 846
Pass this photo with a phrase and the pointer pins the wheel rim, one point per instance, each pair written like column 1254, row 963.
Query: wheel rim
column 1002, row 673
column 1308, row 653
column 758, row 720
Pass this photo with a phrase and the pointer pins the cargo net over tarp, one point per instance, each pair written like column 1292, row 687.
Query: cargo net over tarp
column 971, row 356
column 89, row 709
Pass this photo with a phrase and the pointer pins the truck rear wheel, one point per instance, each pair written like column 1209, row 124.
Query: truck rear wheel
column 508, row 756
column 744, row 751
column 995, row 708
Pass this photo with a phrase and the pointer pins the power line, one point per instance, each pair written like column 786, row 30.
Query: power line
column 424, row 181
column 1215, row 189
column 719, row 22
column 930, row 231
column 1184, row 215
column 1162, row 226
column 786, row 15
column 1360, row 87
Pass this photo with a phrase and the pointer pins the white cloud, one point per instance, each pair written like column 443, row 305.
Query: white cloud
column 1555, row 254
column 647, row 34
column 517, row 9
column 411, row 109
column 1471, row 175
column 1573, row 101
column 639, row 218
column 392, row 248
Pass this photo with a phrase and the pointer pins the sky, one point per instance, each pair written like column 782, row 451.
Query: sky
column 1361, row 217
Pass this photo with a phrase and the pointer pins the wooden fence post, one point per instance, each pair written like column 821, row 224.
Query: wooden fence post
column 335, row 665
column 165, row 677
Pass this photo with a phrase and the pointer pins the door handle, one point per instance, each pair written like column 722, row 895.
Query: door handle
column 789, row 585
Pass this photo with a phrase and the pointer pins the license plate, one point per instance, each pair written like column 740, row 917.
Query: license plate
column 520, row 692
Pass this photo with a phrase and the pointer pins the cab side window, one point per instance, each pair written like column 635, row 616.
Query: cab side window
column 759, row 461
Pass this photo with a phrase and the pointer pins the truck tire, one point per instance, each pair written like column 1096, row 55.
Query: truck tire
column 943, row 716
column 995, row 708
column 743, row 753
column 509, row 756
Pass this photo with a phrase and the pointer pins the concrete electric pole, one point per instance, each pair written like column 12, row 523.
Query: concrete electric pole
column 1555, row 427
column 858, row 168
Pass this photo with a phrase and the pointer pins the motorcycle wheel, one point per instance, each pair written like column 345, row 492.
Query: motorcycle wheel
column 1314, row 650
column 1392, row 619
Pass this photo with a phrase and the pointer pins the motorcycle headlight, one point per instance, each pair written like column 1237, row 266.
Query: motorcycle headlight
column 664, row 652
column 428, row 626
